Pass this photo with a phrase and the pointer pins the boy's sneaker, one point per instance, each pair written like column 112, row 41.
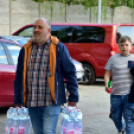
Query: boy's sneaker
column 122, row 132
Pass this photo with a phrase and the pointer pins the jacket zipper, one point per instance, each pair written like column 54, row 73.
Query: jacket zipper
column 55, row 72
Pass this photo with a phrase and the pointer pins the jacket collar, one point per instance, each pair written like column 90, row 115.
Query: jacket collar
column 53, row 39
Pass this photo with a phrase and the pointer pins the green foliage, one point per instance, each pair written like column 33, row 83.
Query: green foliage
column 130, row 3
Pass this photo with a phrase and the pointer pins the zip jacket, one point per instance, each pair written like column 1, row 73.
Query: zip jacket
column 61, row 67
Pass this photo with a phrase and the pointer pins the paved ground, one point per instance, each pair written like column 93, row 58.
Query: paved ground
column 94, row 103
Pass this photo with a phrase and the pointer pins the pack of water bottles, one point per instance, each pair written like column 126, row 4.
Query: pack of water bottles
column 71, row 122
column 18, row 121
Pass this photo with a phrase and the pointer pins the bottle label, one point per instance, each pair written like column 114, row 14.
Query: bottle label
column 71, row 132
column 7, row 130
column 64, row 131
column 13, row 130
column 21, row 130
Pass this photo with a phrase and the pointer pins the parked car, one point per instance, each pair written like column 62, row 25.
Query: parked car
column 9, row 52
column 90, row 44
column 16, row 39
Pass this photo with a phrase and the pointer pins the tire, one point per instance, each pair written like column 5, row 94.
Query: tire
column 89, row 74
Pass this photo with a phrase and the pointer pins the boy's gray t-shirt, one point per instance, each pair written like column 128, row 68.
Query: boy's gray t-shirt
column 121, row 76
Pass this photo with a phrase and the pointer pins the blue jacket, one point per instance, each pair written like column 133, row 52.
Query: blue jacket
column 61, row 67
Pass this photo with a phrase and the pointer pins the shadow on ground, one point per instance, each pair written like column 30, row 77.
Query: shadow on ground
column 3, row 109
column 98, row 82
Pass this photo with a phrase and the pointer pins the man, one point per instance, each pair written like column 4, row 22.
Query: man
column 43, row 64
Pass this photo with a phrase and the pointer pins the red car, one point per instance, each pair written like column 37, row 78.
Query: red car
column 90, row 44
column 9, row 52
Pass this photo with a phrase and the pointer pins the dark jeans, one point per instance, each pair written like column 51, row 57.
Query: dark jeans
column 120, row 107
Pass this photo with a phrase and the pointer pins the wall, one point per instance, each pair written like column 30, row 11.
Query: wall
column 123, row 15
column 15, row 14
column 4, row 17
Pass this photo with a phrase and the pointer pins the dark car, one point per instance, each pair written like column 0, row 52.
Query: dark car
column 9, row 52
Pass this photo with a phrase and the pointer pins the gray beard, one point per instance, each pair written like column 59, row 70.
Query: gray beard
column 38, row 41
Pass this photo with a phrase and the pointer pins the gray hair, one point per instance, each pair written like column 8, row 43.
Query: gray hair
column 46, row 20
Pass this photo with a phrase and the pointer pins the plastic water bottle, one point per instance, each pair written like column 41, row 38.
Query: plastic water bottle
column 22, row 121
column 65, row 124
column 65, row 117
column 71, row 123
column 64, row 111
column 28, row 122
column 78, row 125
column 9, row 120
column 15, row 122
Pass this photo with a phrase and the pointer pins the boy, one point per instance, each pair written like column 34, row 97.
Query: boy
column 117, row 66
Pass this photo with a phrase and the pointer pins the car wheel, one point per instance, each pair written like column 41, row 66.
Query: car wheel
column 89, row 74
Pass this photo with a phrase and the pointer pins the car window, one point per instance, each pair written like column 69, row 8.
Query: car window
column 27, row 32
column 63, row 33
column 125, row 31
column 88, row 34
column 22, row 42
column 19, row 41
column 3, row 56
column 14, row 51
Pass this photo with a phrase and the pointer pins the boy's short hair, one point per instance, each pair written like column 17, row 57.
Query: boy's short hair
column 124, row 39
